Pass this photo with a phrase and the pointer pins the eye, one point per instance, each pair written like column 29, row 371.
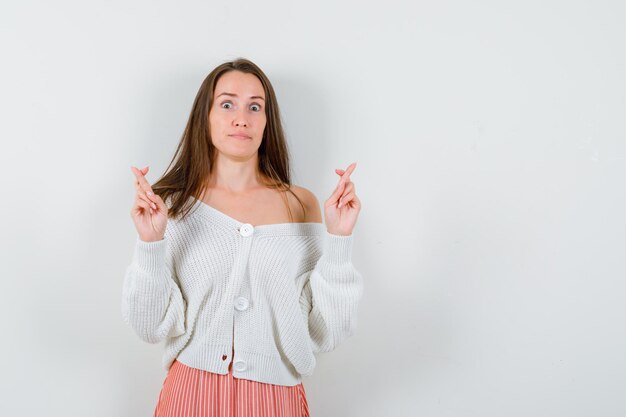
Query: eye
column 226, row 102
column 257, row 106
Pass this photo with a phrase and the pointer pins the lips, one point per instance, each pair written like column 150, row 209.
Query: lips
column 240, row 136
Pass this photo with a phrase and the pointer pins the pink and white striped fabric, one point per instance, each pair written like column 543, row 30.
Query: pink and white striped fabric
column 190, row 392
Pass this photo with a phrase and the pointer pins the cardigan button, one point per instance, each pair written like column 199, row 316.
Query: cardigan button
column 246, row 229
column 241, row 303
column 240, row 366
column 224, row 357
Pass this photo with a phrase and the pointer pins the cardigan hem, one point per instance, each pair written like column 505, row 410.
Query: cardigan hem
column 258, row 367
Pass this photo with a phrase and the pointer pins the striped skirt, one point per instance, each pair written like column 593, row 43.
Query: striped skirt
column 190, row 392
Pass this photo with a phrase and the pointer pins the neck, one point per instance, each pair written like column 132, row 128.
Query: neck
column 235, row 176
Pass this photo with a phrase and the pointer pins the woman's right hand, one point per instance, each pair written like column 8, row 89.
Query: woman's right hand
column 149, row 211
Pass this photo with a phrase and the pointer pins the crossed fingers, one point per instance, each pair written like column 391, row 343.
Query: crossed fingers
column 144, row 190
column 345, row 187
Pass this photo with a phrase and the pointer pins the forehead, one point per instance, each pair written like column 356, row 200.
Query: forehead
column 240, row 83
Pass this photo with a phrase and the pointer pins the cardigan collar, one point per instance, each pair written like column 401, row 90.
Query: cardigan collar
column 211, row 214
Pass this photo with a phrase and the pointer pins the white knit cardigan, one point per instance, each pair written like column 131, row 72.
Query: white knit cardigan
column 276, row 293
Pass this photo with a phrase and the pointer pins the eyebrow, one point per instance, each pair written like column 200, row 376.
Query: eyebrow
column 235, row 95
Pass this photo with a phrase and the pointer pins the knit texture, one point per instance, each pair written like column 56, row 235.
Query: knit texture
column 279, row 293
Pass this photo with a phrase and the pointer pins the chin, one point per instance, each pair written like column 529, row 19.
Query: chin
column 240, row 153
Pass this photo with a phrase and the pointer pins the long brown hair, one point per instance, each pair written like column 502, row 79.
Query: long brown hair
column 192, row 164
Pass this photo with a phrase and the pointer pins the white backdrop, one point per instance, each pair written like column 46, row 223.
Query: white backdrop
column 490, row 141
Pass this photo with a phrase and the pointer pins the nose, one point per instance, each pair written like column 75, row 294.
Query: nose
column 240, row 119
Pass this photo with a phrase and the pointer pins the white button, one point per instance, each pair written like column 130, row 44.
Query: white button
column 246, row 229
column 240, row 366
column 241, row 303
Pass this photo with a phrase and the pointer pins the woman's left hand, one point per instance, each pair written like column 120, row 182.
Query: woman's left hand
column 342, row 207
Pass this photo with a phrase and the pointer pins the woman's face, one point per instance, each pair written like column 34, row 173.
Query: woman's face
column 238, row 109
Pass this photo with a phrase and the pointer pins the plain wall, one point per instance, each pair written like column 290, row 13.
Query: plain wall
column 490, row 141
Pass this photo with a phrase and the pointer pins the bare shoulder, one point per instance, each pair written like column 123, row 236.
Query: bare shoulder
column 311, row 204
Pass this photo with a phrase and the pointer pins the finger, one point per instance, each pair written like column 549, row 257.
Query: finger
column 160, row 203
column 148, row 208
column 139, row 175
column 340, row 189
column 142, row 194
column 337, row 193
column 139, row 203
column 345, row 199
column 346, row 174
column 350, row 169
column 141, row 191
column 140, row 188
column 155, row 200
column 349, row 186
column 143, row 182
column 342, row 179
column 356, row 203
column 144, row 171
column 135, row 170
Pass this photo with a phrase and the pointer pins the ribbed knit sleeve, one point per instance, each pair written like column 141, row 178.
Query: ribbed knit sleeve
column 331, row 295
column 152, row 302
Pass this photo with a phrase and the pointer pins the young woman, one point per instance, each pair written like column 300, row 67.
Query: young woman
column 232, row 265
